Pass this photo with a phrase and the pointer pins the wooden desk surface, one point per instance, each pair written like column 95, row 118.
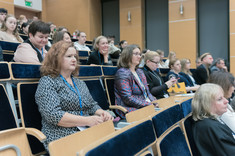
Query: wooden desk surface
column 171, row 101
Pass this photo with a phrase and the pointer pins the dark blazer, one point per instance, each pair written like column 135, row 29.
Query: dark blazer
column 190, row 82
column 200, row 74
column 156, row 84
column 213, row 138
column 98, row 59
column 128, row 91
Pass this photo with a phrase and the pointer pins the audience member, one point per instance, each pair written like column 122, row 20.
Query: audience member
column 35, row 18
column 114, row 52
column 171, row 56
column 52, row 30
column 80, row 44
column 22, row 19
column 185, row 72
column 100, row 54
column 141, row 65
column 156, row 84
column 9, row 30
column 202, row 72
column 3, row 14
column 211, row 135
column 131, row 89
column 175, row 67
column 33, row 49
column 25, row 28
column 61, row 35
column 219, row 65
column 198, row 62
column 227, row 83
column 162, row 63
column 122, row 44
column 64, row 101
column 61, row 28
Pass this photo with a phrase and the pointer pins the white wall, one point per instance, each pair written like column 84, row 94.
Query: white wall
column 36, row 4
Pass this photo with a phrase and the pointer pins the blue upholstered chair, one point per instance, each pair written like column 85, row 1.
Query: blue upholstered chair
column 87, row 71
column 8, row 49
column 186, row 107
column 130, row 140
column 24, row 71
column 97, row 92
column 7, row 117
column 24, row 37
column 173, row 143
column 163, row 72
column 167, row 118
column 4, row 71
column 30, row 116
column 83, row 56
column 186, row 125
column 109, row 71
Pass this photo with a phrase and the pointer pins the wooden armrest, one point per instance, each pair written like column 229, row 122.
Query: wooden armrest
column 119, row 108
column 34, row 132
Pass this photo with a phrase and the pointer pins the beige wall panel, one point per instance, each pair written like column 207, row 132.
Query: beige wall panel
column 189, row 10
column 232, row 45
column 182, row 40
column 232, row 65
column 132, row 31
column 232, row 4
column 9, row 5
column 130, row 34
column 232, row 22
column 95, row 19
column 29, row 14
column 75, row 14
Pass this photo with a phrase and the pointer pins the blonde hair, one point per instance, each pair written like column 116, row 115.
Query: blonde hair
column 150, row 56
column 202, row 101
column 97, row 41
column 204, row 55
column 171, row 54
column 15, row 32
column 183, row 63
column 172, row 62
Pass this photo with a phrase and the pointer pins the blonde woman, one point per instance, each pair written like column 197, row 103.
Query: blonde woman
column 186, row 73
column 171, row 56
column 9, row 30
column 211, row 135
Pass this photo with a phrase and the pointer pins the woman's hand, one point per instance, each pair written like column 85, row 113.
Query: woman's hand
column 94, row 120
column 105, row 115
column 171, row 82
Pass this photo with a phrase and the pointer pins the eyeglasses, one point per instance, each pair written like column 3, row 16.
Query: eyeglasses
column 137, row 54
column 157, row 63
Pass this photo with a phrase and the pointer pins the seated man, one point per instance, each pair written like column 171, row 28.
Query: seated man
column 80, row 44
column 202, row 72
column 219, row 65
column 33, row 50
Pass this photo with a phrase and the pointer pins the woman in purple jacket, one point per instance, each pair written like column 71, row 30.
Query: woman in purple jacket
column 131, row 89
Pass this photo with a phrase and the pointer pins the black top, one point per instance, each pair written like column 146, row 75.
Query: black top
column 213, row 138
column 156, row 84
column 98, row 59
column 200, row 74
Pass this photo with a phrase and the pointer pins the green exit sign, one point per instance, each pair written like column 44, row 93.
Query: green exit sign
column 28, row 3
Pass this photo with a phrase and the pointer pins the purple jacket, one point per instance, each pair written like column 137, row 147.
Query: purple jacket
column 128, row 92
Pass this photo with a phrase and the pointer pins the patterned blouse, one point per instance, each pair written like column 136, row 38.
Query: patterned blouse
column 54, row 98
